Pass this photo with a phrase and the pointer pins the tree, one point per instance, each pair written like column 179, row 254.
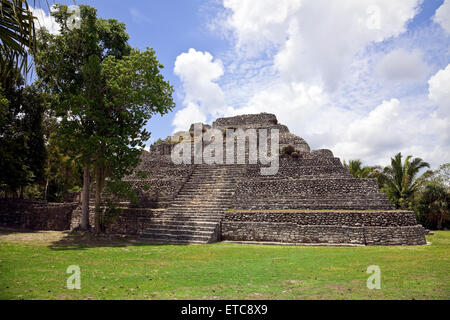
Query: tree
column 434, row 206
column 441, row 176
column 21, row 136
column 17, row 35
column 357, row 170
column 400, row 180
column 104, row 93
column 63, row 174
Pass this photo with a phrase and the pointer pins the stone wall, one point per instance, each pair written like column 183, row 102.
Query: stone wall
column 129, row 221
column 35, row 215
column 316, row 183
column 162, row 181
column 358, row 227
column 246, row 119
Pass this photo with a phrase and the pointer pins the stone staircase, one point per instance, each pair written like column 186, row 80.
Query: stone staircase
column 195, row 214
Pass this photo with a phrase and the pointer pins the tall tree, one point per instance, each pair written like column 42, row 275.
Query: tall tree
column 401, row 180
column 105, row 92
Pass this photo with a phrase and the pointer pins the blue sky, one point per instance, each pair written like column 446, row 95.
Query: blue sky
column 365, row 79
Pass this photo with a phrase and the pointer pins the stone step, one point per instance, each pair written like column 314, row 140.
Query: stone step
column 218, row 196
column 200, row 201
column 194, row 200
column 204, row 193
column 196, row 223
column 280, row 198
column 203, row 185
column 182, row 232
column 192, row 215
column 175, row 236
column 178, row 207
column 174, row 226
column 170, row 241
column 188, row 218
column 194, row 189
column 191, row 209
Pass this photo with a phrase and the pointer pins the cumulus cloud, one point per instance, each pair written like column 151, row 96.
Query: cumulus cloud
column 442, row 16
column 314, row 65
column 316, row 38
column 188, row 115
column 439, row 93
column 402, row 65
column 378, row 133
column 45, row 20
column 198, row 72
column 258, row 25
column 439, row 90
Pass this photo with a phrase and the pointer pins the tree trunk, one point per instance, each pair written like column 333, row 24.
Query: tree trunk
column 98, row 198
column 46, row 189
column 440, row 219
column 85, row 200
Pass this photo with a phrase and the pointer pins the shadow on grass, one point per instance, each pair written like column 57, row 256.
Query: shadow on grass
column 65, row 240
column 83, row 241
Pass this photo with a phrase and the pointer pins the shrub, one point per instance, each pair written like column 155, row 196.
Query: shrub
column 295, row 155
column 288, row 150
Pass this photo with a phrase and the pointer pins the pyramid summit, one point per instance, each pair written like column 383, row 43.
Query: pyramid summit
column 311, row 199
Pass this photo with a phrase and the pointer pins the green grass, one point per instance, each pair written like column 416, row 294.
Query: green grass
column 33, row 266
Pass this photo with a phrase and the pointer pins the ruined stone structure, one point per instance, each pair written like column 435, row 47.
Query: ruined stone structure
column 36, row 215
column 312, row 199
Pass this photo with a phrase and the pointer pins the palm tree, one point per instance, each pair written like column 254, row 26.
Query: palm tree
column 400, row 180
column 17, row 36
column 357, row 170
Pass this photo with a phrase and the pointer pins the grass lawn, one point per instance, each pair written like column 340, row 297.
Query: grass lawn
column 33, row 266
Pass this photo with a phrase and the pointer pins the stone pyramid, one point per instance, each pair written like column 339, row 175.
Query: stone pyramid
column 311, row 199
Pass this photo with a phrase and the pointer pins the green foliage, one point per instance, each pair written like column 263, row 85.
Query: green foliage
column 122, row 190
column 400, row 180
column 433, row 207
column 357, row 170
column 21, row 136
column 103, row 91
column 17, row 37
column 441, row 176
column 142, row 175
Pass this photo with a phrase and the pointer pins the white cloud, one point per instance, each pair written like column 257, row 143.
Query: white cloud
column 315, row 64
column 45, row 20
column 374, row 133
column 185, row 117
column 258, row 25
column 198, row 72
column 439, row 93
column 442, row 16
column 401, row 65
column 316, row 38
column 324, row 50
column 439, row 90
